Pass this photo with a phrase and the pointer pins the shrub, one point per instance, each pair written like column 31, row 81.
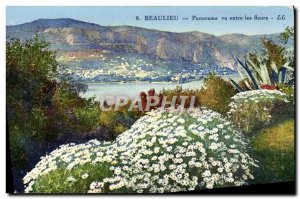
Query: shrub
column 29, row 88
column 274, row 148
column 73, row 116
column 43, row 106
column 31, row 127
column 87, row 118
column 164, row 151
column 18, row 153
column 178, row 92
column 288, row 90
column 216, row 94
column 119, row 121
column 252, row 111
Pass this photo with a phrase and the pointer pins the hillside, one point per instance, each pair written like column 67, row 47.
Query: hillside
column 84, row 45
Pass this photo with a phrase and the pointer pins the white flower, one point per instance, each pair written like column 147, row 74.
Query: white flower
column 220, row 169
column 180, row 120
column 220, row 126
column 198, row 164
column 206, row 173
column 156, row 150
column 84, row 176
column 71, row 179
column 159, row 153
column 118, row 171
column 214, row 146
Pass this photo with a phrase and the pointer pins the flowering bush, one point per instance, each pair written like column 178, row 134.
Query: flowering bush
column 164, row 151
column 254, row 110
column 288, row 90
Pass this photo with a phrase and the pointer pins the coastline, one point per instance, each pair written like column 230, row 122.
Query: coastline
column 142, row 82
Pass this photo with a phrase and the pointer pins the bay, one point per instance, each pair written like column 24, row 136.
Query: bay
column 133, row 89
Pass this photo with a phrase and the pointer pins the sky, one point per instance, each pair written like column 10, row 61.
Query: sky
column 114, row 16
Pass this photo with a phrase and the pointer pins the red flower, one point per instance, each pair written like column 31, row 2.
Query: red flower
column 143, row 96
column 268, row 87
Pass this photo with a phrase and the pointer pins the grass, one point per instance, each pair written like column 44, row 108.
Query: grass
column 274, row 148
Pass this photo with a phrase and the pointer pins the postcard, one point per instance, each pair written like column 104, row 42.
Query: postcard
column 150, row 100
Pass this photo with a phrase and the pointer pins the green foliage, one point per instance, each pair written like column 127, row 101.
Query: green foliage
column 42, row 106
column 30, row 68
column 273, row 76
column 288, row 90
column 287, row 34
column 74, row 116
column 69, row 182
column 178, row 92
column 273, row 52
column 119, row 121
column 258, row 75
column 33, row 126
column 255, row 110
column 247, row 76
column 87, row 117
column 216, row 94
column 274, row 148
column 17, row 143
column 272, row 66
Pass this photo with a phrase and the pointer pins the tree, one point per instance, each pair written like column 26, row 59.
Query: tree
column 276, row 52
column 42, row 105
column 30, row 71
column 273, row 53
column 287, row 34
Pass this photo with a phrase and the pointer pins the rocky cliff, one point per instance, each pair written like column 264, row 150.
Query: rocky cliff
column 69, row 35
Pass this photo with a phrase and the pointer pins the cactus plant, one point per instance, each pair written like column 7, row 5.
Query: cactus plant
column 256, row 75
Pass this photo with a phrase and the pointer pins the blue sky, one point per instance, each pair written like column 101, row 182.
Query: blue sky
column 114, row 16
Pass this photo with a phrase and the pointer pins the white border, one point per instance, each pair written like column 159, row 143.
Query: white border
column 108, row 3
column 155, row 2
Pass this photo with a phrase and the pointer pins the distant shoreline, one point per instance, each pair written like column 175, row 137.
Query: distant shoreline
column 141, row 82
column 129, row 82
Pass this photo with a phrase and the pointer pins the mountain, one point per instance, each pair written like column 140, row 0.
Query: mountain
column 84, row 39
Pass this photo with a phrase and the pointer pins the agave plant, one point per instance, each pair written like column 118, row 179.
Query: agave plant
column 255, row 76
